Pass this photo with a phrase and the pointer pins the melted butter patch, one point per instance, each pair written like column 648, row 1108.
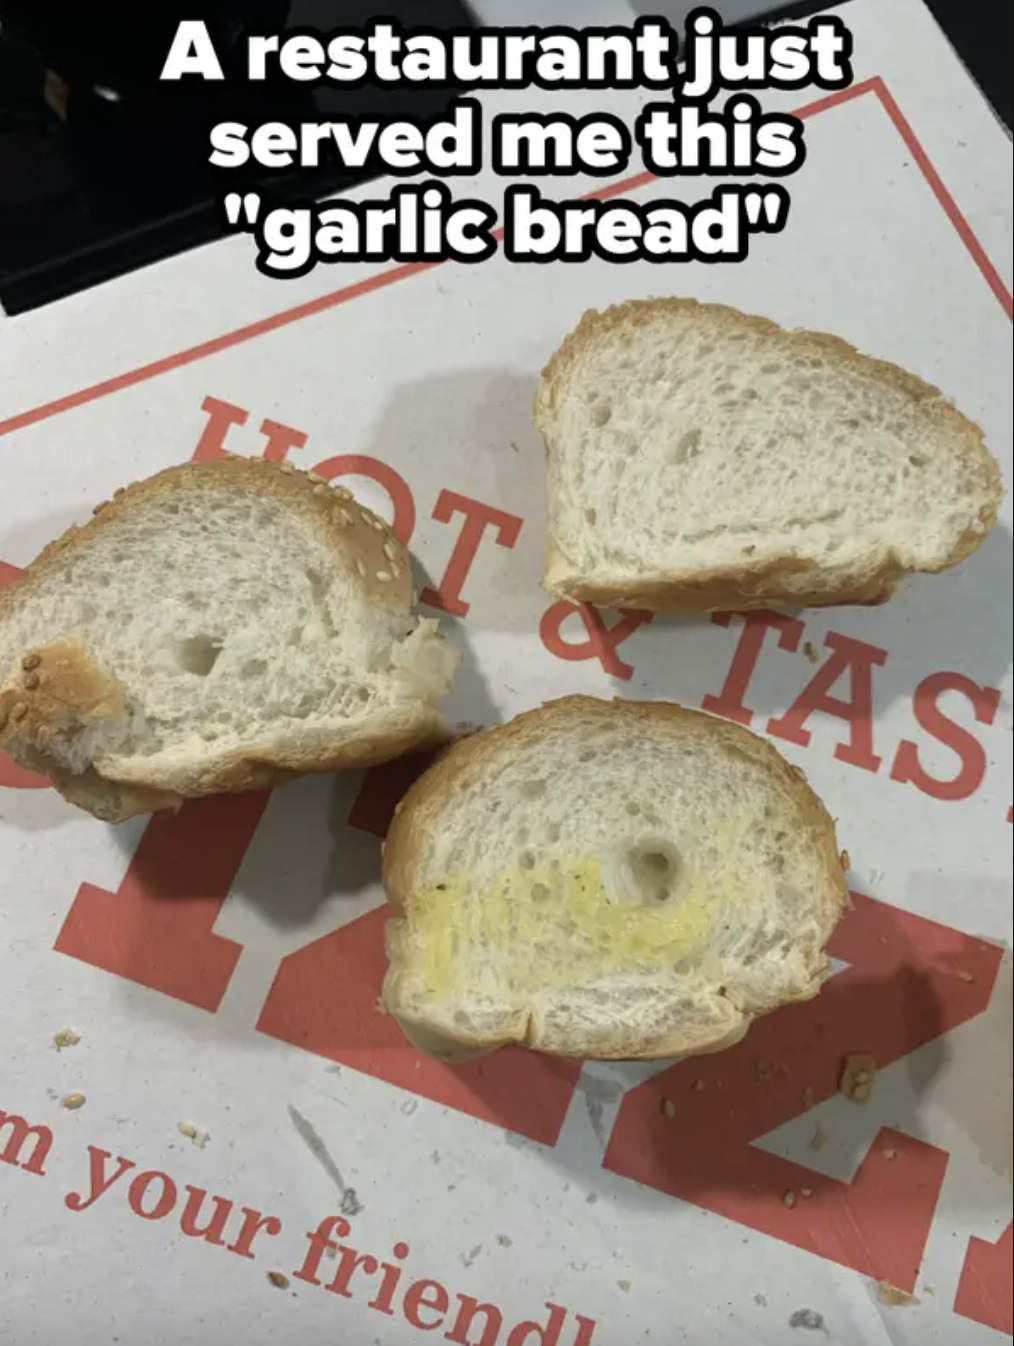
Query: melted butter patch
column 550, row 928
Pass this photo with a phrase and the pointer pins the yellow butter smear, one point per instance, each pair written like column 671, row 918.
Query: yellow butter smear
column 548, row 928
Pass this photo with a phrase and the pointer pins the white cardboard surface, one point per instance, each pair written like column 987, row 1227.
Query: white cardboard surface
column 568, row 1191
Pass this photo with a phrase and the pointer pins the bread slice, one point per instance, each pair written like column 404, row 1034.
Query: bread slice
column 614, row 880
column 700, row 459
column 222, row 626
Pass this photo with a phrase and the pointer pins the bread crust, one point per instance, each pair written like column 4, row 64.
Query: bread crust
column 59, row 684
column 783, row 581
column 470, row 760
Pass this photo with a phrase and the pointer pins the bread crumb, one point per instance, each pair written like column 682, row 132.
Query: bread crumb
column 789, row 1199
column 699, row 1086
column 846, row 861
column 74, row 1101
column 806, row 1192
column 809, row 1098
column 811, row 652
column 856, row 1082
column 966, row 977
column 819, row 1138
column 504, row 1241
column 668, row 1108
column 890, row 1155
column 761, row 1300
column 279, row 1281
column 198, row 1138
column 66, row 1038
column 625, row 1286
column 893, row 1297
column 514, row 446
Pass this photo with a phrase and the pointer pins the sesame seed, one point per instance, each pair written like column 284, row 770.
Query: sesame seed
column 384, row 576
column 279, row 1281
column 316, row 478
column 846, row 860
column 345, row 518
column 389, row 551
column 321, row 490
column 31, row 661
column 19, row 711
column 74, row 1101
column 287, row 468
column 668, row 1108
column 361, row 568
column 32, row 681
column 789, row 1199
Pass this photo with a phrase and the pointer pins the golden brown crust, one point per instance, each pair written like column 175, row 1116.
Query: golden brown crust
column 472, row 759
column 724, row 591
column 68, row 688
column 766, row 582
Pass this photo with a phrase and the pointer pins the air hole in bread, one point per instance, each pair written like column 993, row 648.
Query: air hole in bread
column 527, row 860
column 253, row 668
column 632, row 808
column 602, row 414
column 540, row 893
column 198, row 655
column 591, row 515
column 553, row 831
column 587, row 755
column 687, row 446
column 532, row 789
column 655, row 866
column 318, row 593
column 917, row 460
